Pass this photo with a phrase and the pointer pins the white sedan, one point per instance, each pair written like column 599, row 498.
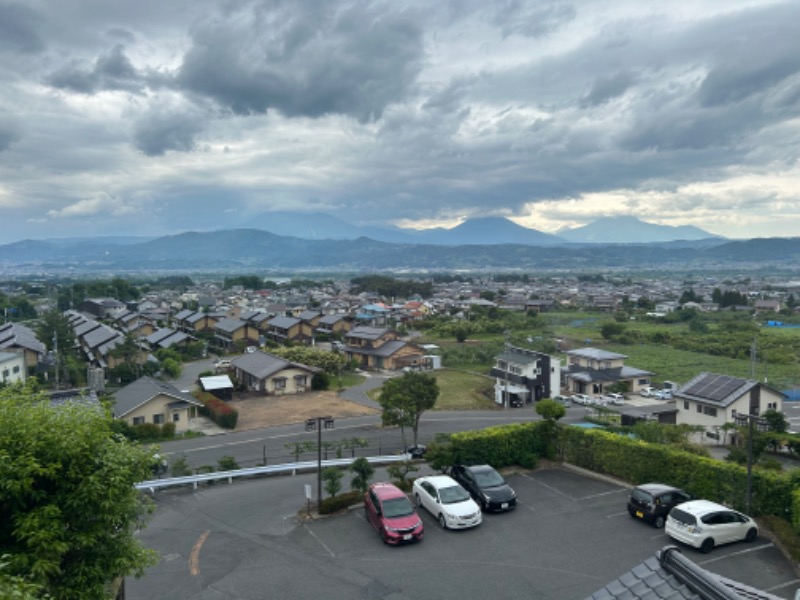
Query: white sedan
column 446, row 500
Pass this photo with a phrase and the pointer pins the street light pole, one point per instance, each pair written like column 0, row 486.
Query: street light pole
column 318, row 423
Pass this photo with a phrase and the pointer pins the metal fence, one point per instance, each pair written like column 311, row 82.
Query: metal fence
column 154, row 484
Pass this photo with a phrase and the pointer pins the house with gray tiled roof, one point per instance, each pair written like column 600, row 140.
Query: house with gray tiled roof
column 672, row 576
column 18, row 338
column 148, row 400
column 230, row 331
column 283, row 329
column 262, row 372
column 593, row 371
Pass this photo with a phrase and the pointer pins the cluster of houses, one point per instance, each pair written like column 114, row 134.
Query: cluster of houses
column 710, row 401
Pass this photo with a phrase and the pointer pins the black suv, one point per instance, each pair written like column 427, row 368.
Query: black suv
column 652, row 502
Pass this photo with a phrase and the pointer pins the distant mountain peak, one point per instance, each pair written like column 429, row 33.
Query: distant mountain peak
column 626, row 229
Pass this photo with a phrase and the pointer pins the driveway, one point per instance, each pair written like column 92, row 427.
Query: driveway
column 569, row 536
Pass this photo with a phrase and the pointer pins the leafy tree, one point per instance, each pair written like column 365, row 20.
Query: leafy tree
column 332, row 478
column 610, row 330
column 776, row 421
column 68, row 506
column 131, row 355
column 54, row 330
column 550, row 409
column 404, row 399
column 399, row 473
column 363, row 472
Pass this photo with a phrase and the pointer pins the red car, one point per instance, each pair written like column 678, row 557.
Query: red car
column 392, row 515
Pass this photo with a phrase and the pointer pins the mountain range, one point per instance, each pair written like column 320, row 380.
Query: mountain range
column 246, row 250
column 480, row 231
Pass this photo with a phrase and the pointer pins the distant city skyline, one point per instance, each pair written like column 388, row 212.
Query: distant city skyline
column 153, row 118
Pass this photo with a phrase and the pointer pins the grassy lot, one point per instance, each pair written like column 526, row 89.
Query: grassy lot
column 348, row 380
column 458, row 390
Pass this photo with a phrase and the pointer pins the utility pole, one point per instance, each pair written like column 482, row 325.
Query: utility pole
column 318, row 423
column 55, row 354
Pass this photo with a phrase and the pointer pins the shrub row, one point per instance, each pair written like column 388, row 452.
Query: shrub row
column 629, row 459
column 340, row 502
column 219, row 412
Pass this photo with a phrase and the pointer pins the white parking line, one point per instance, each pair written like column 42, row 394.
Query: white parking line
column 603, row 494
column 549, row 487
column 321, row 543
column 753, row 549
column 615, row 515
column 792, row 583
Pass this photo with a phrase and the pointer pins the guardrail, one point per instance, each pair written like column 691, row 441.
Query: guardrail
column 311, row 465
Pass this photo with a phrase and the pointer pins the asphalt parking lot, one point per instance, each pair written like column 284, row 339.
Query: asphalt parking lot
column 569, row 536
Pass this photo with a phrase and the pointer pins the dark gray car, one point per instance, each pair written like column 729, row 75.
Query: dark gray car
column 486, row 486
column 651, row 502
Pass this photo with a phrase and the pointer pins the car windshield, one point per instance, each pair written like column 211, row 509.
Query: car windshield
column 488, row 479
column 397, row 507
column 453, row 494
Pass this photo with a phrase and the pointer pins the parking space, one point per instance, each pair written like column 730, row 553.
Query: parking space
column 569, row 536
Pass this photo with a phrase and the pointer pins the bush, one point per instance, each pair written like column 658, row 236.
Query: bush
column 219, row 412
column 340, row 502
column 179, row 467
column 227, row 463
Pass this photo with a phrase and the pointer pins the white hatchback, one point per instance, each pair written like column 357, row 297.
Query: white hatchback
column 445, row 499
column 704, row 524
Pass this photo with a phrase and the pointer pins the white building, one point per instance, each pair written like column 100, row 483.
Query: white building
column 712, row 400
column 12, row 368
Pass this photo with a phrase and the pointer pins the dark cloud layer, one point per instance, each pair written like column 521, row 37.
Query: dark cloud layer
column 382, row 111
column 352, row 61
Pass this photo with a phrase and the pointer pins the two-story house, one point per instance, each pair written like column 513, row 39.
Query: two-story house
column 283, row 329
column 194, row 322
column 593, row 371
column 525, row 376
column 381, row 348
column 711, row 400
column 18, row 338
column 12, row 368
column 334, row 325
column 230, row 331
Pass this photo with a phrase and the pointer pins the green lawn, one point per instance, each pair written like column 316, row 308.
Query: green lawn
column 458, row 390
column 348, row 380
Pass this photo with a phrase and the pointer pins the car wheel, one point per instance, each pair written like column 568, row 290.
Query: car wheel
column 442, row 521
column 707, row 545
column 417, row 500
column 751, row 535
column 658, row 522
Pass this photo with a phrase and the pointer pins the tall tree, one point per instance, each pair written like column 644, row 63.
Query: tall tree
column 68, row 506
column 55, row 332
column 405, row 398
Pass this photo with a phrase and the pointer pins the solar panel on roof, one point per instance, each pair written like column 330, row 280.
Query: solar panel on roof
column 715, row 387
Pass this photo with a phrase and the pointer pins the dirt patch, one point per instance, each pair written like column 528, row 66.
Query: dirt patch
column 256, row 412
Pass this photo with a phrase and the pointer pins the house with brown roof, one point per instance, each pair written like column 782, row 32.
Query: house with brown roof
column 380, row 348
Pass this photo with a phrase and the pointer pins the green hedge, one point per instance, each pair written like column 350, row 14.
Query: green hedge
column 341, row 502
column 639, row 462
column 629, row 459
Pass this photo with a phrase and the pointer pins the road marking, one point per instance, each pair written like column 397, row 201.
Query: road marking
column 793, row 583
column 603, row 494
column 549, row 487
column 615, row 515
column 754, row 549
column 194, row 557
column 321, row 543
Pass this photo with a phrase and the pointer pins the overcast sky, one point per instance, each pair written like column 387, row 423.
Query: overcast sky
column 160, row 116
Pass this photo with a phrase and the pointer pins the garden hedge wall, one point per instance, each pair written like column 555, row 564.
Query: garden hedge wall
column 773, row 492
column 219, row 412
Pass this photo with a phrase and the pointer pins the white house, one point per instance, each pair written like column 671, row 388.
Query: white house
column 712, row 400
column 12, row 368
column 525, row 376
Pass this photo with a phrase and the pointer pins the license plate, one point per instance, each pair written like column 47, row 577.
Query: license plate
column 504, row 505
column 407, row 536
column 640, row 514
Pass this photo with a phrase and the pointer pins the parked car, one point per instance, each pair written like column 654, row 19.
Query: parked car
column 617, row 399
column 486, row 486
column 662, row 395
column 652, row 502
column 704, row 524
column 647, row 391
column 446, row 500
column 416, row 451
column 565, row 400
column 222, row 363
column 581, row 399
column 391, row 513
